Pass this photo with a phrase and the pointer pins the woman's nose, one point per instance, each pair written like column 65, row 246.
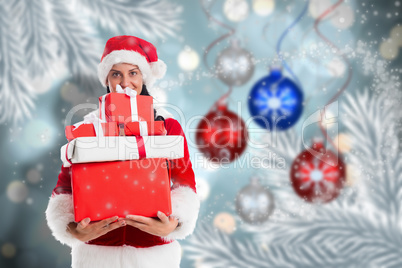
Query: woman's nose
column 124, row 82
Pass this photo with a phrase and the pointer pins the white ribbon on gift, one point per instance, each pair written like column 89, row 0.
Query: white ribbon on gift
column 91, row 118
column 143, row 128
column 133, row 101
column 133, row 105
column 113, row 148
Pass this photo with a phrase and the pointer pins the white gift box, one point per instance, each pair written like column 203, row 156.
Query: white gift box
column 115, row 148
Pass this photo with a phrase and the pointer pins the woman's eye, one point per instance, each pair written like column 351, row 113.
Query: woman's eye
column 115, row 74
column 133, row 73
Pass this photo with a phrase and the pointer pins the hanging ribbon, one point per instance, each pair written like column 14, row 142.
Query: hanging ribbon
column 326, row 84
column 223, row 100
column 278, row 46
column 141, row 147
column 337, row 50
column 143, row 128
column 230, row 33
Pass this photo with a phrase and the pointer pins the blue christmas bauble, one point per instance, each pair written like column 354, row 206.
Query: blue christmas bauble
column 275, row 102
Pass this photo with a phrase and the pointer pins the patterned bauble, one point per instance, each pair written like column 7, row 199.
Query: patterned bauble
column 234, row 65
column 254, row 203
column 275, row 101
column 317, row 175
column 221, row 135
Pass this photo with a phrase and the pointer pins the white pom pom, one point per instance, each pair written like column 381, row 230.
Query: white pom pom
column 158, row 69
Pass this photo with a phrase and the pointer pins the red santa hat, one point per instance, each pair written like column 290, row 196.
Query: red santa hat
column 133, row 50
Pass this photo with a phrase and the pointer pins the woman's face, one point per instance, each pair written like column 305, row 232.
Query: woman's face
column 125, row 75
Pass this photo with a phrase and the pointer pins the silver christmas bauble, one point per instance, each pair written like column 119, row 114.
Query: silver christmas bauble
column 254, row 203
column 234, row 65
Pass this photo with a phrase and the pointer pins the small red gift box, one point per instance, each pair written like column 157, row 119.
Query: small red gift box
column 120, row 188
column 121, row 108
column 156, row 128
column 88, row 130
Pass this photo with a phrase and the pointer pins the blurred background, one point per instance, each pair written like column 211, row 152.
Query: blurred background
column 275, row 205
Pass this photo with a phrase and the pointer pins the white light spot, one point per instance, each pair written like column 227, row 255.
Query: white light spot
column 274, row 103
column 316, row 175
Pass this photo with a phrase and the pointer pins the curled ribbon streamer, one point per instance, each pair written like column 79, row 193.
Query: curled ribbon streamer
column 222, row 100
column 232, row 31
column 337, row 50
column 278, row 46
column 317, row 63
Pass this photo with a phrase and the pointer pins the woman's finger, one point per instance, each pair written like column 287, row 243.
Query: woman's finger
column 162, row 216
column 140, row 219
column 84, row 223
column 106, row 222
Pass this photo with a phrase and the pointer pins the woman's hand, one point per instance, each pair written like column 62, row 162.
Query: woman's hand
column 86, row 231
column 160, row 227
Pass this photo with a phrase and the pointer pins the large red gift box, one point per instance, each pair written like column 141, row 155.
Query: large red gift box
column 88, row 130
column 121, row 108
column 120, row 188
column 156, row 128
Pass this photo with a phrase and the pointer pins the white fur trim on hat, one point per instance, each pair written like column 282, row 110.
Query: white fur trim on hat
column 59, row 213
column 185, row 207
column 150, row 72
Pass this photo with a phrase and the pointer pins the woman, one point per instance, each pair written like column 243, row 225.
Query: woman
column 133, row 241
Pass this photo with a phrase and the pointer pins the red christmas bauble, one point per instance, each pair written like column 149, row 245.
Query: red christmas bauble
column 318, row 176
column 221, row 135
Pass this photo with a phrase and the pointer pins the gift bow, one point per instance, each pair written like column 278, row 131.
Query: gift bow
column 91, row 118
column 128, row 91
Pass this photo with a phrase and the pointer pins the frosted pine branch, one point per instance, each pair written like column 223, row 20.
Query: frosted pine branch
column 77, row 42
column 372, row 122
column 151, row 18
column 37, row 37
column 16, row 97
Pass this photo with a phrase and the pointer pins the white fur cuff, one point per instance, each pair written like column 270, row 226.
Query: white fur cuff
column 59, row 213
column 185, row 207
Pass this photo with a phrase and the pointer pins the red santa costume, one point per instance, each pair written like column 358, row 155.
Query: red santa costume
column 128, row 246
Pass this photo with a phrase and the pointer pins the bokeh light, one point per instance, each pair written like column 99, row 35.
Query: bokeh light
column 188, row 59
column 263, row 7
column 317, row 7
column 8, row 250
column 396, row 35
column 39, row 133
column 344, row 142
column 236, row 10
column 336, row 67
column 389, row 49
column 225, row 222
column 17, row 191
column 33, row 176
column 344, row 17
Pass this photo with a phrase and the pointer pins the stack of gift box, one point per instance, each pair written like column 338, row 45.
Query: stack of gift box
column 120, row 159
